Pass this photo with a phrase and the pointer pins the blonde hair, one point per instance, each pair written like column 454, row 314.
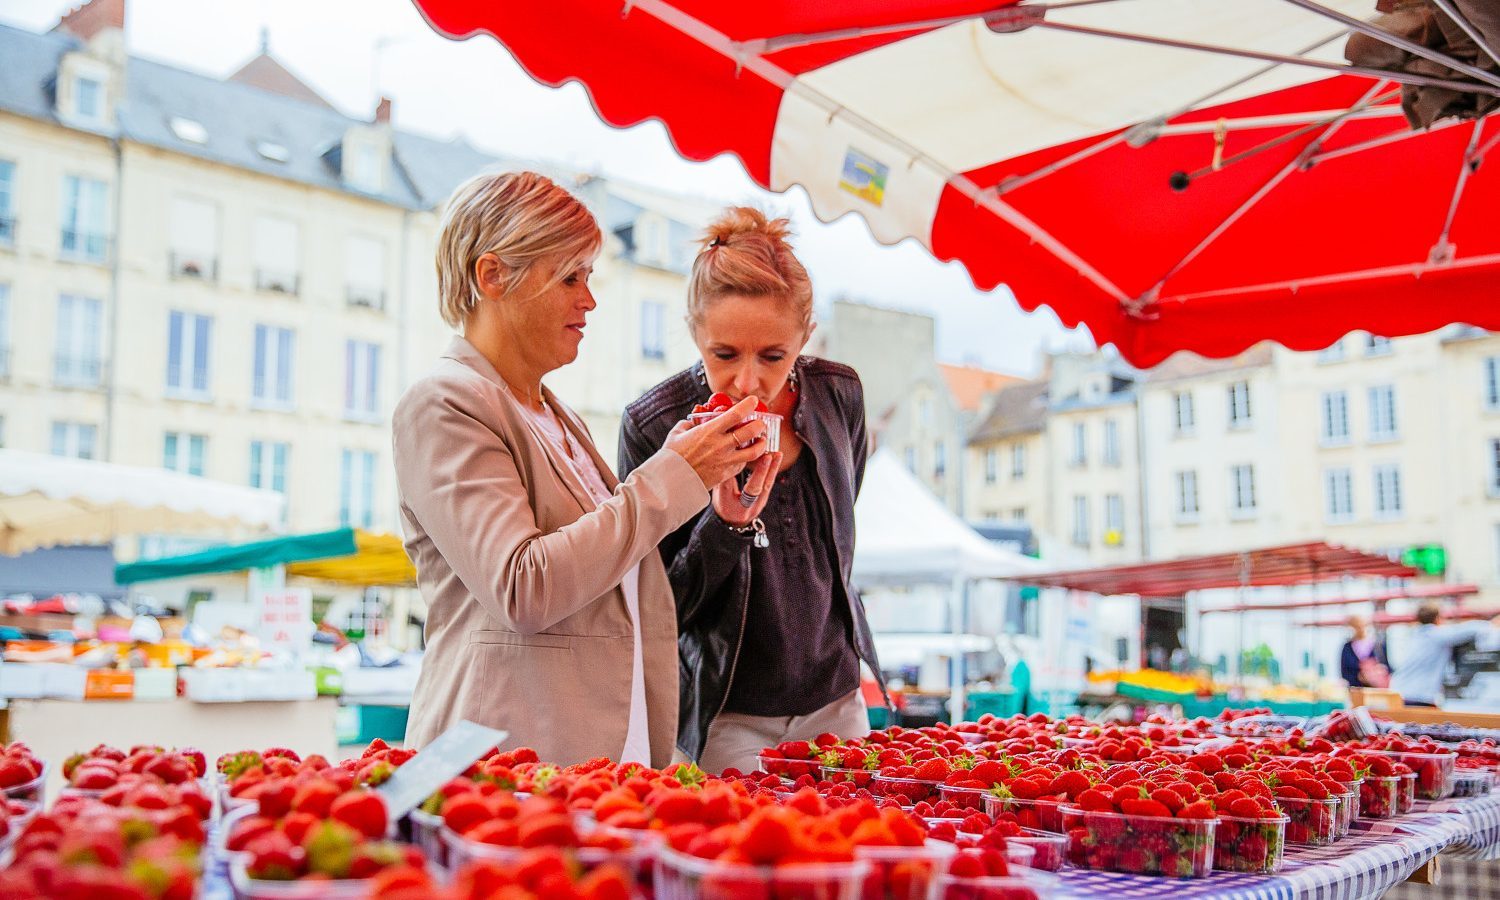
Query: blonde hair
column 522, row 218
column 747, row 254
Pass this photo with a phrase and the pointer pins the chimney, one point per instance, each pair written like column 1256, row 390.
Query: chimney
column 383, row 111
column 93, row 17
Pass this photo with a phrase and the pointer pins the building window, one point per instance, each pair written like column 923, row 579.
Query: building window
column 1187, row 495
column 911, row 460
column 1387, row 491
column 1383, row 413
column 1334, row 352
column 1336, row 417
column 7, row 203
column 1114, row 520
column 74, row 439
column 271, row 382
column 1242, row 490
column 276, row 258
column 1111, row 442
column 77, row 362
column 1495, row 467
column 1018, row 514
column 364, row 272
column 1080, row 454
column 194, row 236
column 1182, row 413
column 1492, row 383
column 924, row 411
column 939, row 459
column 1018, row 461
column 88, row 98
column 1338, row 491
column 1081, row 521
column 361, row 380
column 991, row 466
column 188, row 336
column 357, row 489
column 4, row 331
column 183, row 453
column 268, row 465
column 1375, row 345
column 653, row 330
column 364, row 166
column 85, row 229
column 1239, row 405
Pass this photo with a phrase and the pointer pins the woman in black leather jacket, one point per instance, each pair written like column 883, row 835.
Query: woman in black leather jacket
column 771, row 633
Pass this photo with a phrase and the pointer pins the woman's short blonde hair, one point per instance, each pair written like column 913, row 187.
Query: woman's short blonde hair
column 522, row 218
column 745, row 253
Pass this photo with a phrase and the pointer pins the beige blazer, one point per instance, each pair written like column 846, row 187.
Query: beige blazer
column 527, row 627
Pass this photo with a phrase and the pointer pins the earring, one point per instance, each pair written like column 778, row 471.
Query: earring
column 791, row 380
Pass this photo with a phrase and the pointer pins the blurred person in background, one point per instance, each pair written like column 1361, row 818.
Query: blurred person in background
column 1428, row 652
column 549, row 611
column 1363, row 662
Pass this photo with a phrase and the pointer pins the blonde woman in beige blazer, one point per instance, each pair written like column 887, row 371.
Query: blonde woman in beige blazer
column 549, row 614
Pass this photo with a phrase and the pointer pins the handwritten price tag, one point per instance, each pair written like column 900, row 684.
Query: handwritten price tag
column 439, row 762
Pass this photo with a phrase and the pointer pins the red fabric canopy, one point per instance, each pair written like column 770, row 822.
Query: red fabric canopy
column 1041, row 153
column 1415, row 592
column 1290, row 564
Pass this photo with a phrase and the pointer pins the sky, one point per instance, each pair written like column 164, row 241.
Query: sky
column 354, row 51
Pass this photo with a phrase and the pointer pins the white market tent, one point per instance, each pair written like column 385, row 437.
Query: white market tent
column 905, row 536
column 46, row 501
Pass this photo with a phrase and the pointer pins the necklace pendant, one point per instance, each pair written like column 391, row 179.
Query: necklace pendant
column 761, row 540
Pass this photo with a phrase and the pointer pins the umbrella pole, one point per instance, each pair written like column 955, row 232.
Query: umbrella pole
column 957, row 675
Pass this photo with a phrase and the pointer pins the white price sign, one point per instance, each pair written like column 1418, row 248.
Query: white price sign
column 284, row 623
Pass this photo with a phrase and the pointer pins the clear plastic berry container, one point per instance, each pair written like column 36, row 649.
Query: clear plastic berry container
column 633, row 860
column 857, row 777
column 1472, row 782
column 1042, row 815
column 1258, row 726
column 16, row 822
column 683, row 877
column 1027, row 885
column 1048, row 851
column 1139, row 845
column 427, row 836
column 908, row 791
column 1257, row 846
column 789, row 769
column 964, row 798
column 243, row 887
column 773, row 425
column 34, row 790
column 1348, row 810
column 1406, row 795
column 1379, row 796
column 1312, row 823
column 1434, row 771
column 903, row 873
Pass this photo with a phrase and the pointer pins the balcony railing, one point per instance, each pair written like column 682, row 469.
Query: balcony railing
column 193, row 265
column 277, row 281
column 365, row 296
column 78, row 371
column 7, row 231
column 85, row 246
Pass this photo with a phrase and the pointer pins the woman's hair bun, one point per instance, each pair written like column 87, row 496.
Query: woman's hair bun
column 748, row 221
column 747, row 253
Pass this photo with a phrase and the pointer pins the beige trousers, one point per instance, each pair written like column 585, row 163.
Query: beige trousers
column 735, row 739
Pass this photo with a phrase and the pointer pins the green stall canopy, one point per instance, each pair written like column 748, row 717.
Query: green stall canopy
column 239, row 557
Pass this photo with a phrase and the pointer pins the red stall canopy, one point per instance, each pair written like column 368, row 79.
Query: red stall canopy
column 1290, row 564
column 1414, row 592
column 1197, row 176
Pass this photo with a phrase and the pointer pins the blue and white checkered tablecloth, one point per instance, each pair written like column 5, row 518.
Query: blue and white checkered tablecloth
column 1481, row 818
column 1372, row 859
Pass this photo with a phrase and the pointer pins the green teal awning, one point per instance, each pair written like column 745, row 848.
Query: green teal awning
column 239, row 557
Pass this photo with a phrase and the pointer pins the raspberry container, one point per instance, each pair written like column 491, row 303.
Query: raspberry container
column 1140, row 845
column 1406, row 796
column 1472, row 782
column 1257, row 846
column 683, row 877
column 908, row 791
column 1042, row 815
column 1029, row 885
column 773, row 426
column 34, row 791
column 903, row 873
column 1434, row 771
column 1313, row 823
column 789, row 769
column 1379, row 796
column 964, row 798
column 858, row 777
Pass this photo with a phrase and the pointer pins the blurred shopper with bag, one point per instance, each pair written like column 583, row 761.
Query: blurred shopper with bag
column 549, row 613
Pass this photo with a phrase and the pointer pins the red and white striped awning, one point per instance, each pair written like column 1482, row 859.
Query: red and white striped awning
column 1176, row 174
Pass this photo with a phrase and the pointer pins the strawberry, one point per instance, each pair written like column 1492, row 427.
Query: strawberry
column 1146, row 807
column 362, row 810
column 767, row 837
column 719, row 402
column 1169, row 799
column 1198, row 809
column 1095, row 800
column 932, row 770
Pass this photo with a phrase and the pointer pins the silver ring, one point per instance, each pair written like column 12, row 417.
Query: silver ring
column 748, row 499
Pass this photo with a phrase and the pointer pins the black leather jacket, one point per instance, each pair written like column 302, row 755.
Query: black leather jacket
column 709, row 565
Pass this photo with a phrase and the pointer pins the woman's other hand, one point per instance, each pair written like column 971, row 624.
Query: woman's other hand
column 729, row 498
column 720, row 448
